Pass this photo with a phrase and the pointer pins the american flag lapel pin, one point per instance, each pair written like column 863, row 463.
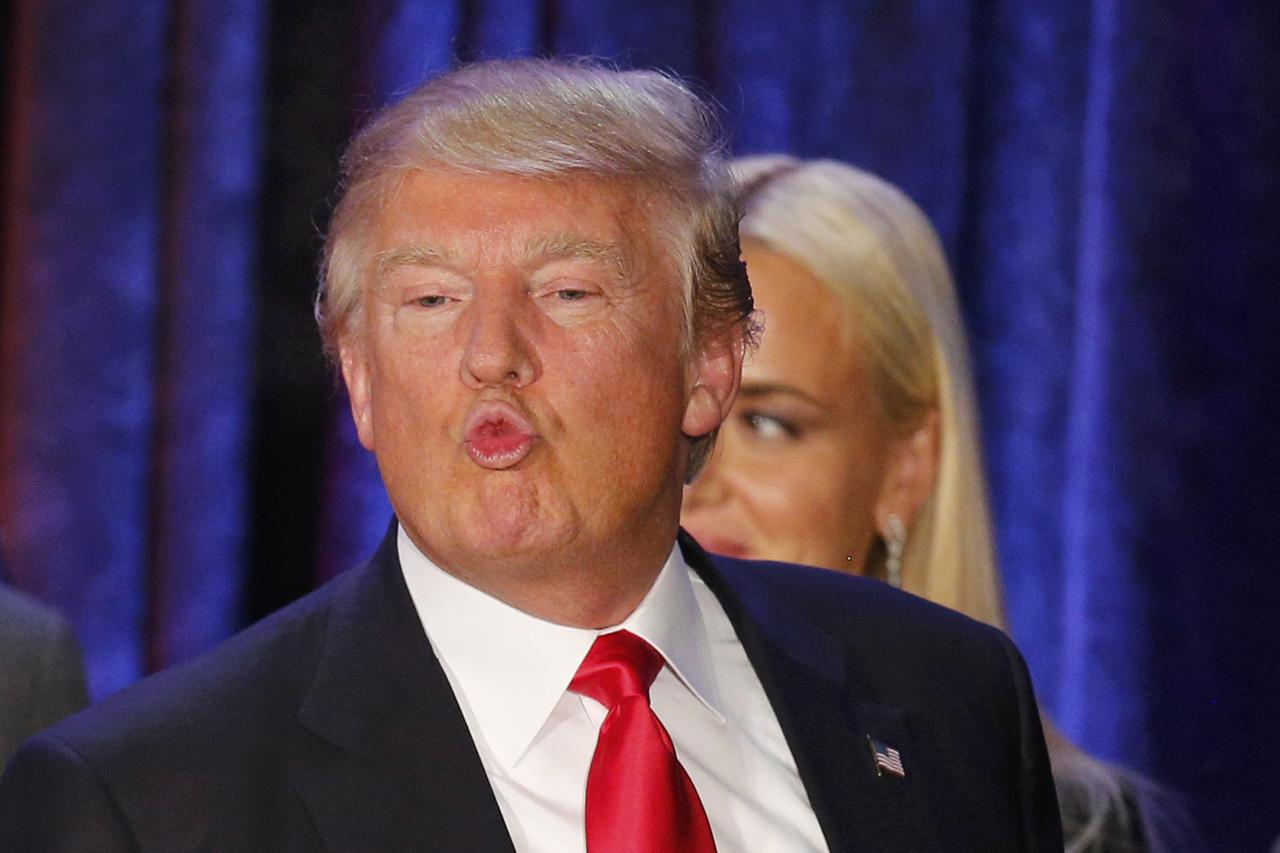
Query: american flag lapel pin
column 886, row 757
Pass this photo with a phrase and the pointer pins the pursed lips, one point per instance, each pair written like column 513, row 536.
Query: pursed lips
column 497, row 436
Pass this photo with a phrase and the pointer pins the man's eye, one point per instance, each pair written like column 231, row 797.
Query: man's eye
column 433, row 301
column 570, row 294
column 769, row 427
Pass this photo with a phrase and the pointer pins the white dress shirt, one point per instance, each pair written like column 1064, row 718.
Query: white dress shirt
column 510, row 673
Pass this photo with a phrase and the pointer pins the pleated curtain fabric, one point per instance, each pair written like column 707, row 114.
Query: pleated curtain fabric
column 175, row 462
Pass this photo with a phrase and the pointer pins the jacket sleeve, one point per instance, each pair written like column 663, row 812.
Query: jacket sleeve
column 52, row 801
column 1041, row 824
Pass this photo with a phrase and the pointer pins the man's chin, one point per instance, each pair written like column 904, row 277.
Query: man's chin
column 505, row 542
column 489, row 532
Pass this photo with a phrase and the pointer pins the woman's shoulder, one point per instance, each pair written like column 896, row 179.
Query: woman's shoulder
column 1106, row 808
column 1099, row 807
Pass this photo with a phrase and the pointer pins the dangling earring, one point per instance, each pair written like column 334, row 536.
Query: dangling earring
column 895, row 540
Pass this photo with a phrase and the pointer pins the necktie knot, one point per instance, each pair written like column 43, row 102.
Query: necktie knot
column 619, row 666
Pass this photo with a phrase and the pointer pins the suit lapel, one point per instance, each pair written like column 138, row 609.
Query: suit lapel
column 806, row 675
column 385, row 759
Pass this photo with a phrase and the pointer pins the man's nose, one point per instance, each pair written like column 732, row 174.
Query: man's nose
column 497, row 349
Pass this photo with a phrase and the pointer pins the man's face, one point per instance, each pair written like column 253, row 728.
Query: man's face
column 517, row 371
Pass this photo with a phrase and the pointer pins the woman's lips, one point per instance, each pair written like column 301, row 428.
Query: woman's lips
column 719, row 545
column 497, row 437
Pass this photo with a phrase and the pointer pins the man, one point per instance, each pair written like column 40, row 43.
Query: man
column 533, row 291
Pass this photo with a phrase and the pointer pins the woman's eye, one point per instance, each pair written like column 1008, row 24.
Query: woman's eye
column 770, row 427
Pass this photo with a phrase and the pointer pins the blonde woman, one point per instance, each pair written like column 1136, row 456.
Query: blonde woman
column 854, row 443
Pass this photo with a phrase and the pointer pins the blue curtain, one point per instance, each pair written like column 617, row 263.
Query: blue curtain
column 176, row 460
column 133, row 142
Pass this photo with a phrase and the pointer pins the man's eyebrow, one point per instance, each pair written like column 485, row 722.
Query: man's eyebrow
column 756, row 390
column 411, row 254
column 407, row 255
column 558, row 247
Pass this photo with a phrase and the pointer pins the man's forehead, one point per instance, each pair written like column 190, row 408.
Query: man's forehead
column 472, row 195
column 526, row 251
column 457, row 219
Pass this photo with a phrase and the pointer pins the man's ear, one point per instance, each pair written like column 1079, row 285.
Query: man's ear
column 910, row 473
column 715, row 374
column 355, row 373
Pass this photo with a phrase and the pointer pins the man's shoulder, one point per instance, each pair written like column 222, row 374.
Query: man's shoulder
column 847, row 605
column 240, row 694
column 892, row 637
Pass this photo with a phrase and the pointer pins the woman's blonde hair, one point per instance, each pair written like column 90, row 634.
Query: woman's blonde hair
column 877, row 253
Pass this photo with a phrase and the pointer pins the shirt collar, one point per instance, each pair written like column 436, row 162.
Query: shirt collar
column 495, row 651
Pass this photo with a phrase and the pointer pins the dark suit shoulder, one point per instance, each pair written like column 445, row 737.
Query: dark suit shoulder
column 236, row 689
column 325, row 726
column 211, row 734
column 857, row 609
column 195, row 757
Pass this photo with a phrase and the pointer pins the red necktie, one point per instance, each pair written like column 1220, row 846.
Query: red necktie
column 639, row 798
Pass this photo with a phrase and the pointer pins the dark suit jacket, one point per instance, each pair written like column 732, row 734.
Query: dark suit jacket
column 330, row 725
column 41, row 670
